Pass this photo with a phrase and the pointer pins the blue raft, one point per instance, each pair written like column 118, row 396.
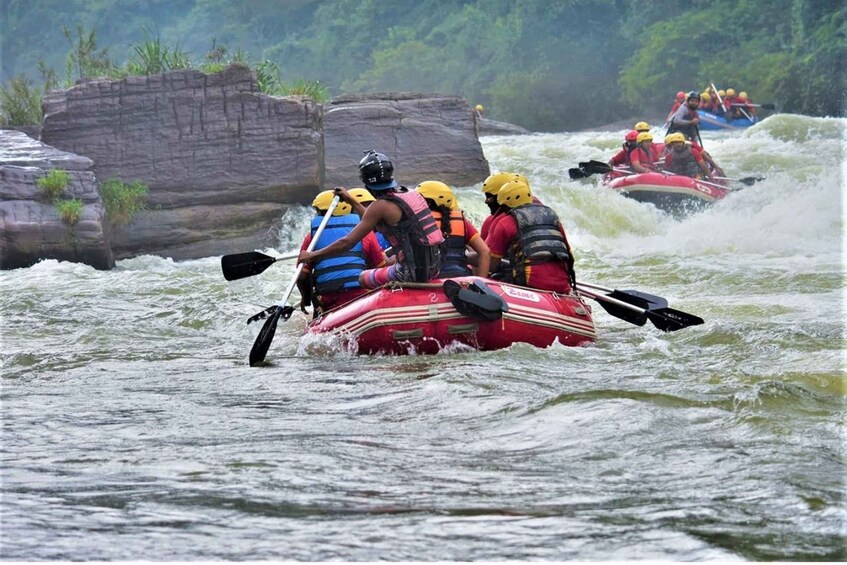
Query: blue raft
column 713, row 122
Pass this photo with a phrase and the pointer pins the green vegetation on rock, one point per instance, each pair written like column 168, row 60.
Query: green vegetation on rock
column 122, row 200
column 54, row 183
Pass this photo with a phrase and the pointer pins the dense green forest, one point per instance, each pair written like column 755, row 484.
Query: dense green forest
column 545, row 64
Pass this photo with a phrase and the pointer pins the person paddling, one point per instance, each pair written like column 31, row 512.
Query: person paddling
column 458, row 232
column 623, row 157
column 532, row 238
column 335, row 280
column 685, row 119
column 682, row 159
column 645, row 157
column 400, row 214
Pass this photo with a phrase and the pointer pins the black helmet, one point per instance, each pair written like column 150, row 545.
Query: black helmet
column 693, row 94
column 376, row 171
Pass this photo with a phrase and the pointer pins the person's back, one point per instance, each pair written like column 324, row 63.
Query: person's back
column 364, row 197
column 399, row 214
column 532, row 238
column 335, row 280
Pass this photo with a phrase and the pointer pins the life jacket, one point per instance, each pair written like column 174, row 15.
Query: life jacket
column 453, row 260
column 416, row 237
column 340, row 272
column 647, row 158
column 539, row 240
column 682, row 163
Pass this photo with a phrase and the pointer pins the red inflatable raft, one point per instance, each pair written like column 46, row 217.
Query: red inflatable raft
column 672, row 193
column 482, row 313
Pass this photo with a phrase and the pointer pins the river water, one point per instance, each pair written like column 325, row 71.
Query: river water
column 134, row 429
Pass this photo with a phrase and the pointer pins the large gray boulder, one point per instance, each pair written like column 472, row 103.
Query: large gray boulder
column 30, row 226
column 427, row 137
column 221, row 160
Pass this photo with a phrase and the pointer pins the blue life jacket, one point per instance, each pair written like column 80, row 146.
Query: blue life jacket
column 341, row 271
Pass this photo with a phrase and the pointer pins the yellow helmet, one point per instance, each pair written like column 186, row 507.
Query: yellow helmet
column 672, row 137
column 362, row 195
column 721, row 93
column 705, row 96
column 644, row 136
column 479, row 108
column 642, row 126
column 324, row 199
column 730, row 92
column 438, row 192
column 743, row 95
column 514, row 193
column 492, row 184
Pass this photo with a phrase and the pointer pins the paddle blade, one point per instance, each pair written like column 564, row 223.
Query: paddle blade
column 751, row 180
column 577, row 173
column 265, row 337
column 598, row 167
column 640, row 299
column 670, row 320
column 768, row 106
column 625, row 314
column 242, row 265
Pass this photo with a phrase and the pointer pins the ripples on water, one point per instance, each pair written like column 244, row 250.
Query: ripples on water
column 133, row 428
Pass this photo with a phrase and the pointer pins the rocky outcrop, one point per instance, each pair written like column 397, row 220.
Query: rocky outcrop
column 221, row 160
column 30, row 226
column 427, row 136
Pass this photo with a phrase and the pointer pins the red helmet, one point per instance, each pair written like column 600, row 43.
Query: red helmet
column 631, row 135
column 680, row 95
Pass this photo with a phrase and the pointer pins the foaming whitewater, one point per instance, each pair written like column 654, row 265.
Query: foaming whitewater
column 797, row 209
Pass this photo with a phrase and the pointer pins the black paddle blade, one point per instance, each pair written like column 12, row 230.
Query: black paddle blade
column 670, row 320
column 640, row 299
column 597, row 167
column 625, row 314
column 242, row 265
column 750, row 180
column 577, row 173
column 768, row 106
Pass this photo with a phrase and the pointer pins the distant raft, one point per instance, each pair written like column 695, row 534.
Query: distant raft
column 675, row 194
column 714, row 122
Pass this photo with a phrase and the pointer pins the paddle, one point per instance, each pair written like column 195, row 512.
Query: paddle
column 768, row 106
column 242, row 265
column 749, row 181
column 578, row 173
column 634, row 297
column 588, row 168
column 664, row 318
column 266, row 335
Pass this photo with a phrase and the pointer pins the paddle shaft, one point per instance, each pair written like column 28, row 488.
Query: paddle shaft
column 610, row 300
column 310, row 248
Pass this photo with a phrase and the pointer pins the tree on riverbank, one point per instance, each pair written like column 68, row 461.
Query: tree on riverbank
column 545, row 65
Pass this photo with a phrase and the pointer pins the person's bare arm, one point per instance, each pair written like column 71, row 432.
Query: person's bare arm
column 483, row 257
column 372, row 216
